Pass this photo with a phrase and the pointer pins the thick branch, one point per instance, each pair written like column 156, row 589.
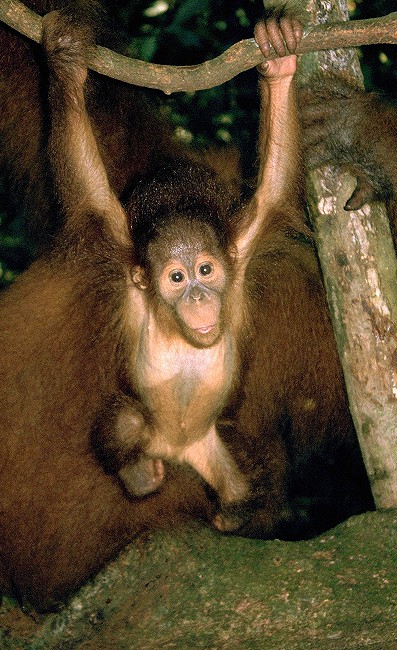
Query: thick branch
column 240, row 57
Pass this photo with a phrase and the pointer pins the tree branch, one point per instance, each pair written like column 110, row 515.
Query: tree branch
column 240, row 57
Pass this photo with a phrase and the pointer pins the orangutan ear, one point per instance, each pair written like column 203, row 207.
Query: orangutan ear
column 139, row 277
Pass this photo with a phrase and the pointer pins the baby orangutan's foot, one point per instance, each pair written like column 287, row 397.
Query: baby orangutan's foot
column 231, row 517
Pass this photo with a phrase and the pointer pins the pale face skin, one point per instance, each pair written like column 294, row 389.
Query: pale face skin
column 190, row 273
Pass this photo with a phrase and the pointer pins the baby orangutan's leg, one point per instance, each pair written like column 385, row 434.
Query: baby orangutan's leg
column 119, row 438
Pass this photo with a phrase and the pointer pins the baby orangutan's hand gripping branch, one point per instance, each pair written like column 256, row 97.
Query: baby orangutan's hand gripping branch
column 180, row 319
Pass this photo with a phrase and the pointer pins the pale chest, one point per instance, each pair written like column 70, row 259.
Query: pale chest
column 184, row 388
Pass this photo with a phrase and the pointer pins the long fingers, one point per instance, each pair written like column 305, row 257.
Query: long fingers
column 284, row 35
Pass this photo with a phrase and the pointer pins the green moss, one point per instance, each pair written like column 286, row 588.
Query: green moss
column 366, row 427
column 197, row 589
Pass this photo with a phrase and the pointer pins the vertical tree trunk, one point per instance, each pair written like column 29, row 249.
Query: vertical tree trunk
column 360, row 274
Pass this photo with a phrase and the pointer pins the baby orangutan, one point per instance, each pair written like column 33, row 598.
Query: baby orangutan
column 183, row 310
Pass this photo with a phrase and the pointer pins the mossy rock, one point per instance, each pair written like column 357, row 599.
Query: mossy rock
column 196, row 589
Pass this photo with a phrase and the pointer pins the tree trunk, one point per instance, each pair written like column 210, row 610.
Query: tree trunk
column 360, row 272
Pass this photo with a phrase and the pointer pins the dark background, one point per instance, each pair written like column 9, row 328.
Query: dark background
column 186, row 32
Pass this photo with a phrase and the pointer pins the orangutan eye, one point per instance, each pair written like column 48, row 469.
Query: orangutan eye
column 177, row 277
column 206, row 269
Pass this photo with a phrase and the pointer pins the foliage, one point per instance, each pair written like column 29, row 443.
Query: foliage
column 187, row 32
column 378, row 62
column 15, row 250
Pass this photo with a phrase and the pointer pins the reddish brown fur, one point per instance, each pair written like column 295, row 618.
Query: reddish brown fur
column 348, row 127
column 124, row 119
column 61, row 516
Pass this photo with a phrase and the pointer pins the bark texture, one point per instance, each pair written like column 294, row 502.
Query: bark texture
column 360, row 272
column 240, row 57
